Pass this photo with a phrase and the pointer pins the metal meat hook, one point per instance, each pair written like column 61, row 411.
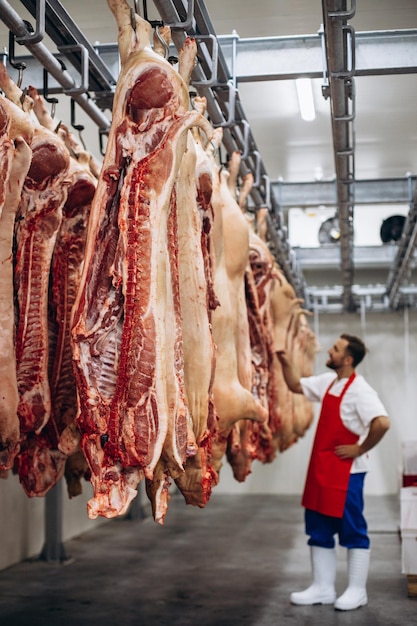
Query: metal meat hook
column 18, row 65
column 53, row 101
column 162, row 41
column 78, row 127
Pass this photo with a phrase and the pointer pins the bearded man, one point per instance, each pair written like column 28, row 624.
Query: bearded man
column 352, row 421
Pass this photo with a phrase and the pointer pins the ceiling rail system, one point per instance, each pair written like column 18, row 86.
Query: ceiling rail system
column 20, row 29
column 339, row 46
column 88, row 74
column 211, row 78
column 404, row 259
column 300, row 56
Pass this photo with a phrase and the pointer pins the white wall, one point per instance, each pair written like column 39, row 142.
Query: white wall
column 22, row 520
column 390, row 367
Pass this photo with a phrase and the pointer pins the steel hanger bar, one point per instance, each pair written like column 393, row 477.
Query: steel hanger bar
column 14, row 22
column 39, row 33
column 63, row 31
column 377, row 53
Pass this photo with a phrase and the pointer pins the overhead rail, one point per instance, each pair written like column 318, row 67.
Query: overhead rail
column 339, row 47
column 62, row 30
column 300, row 56
column 405, row 254
column 328, row 299
column 21, row 31
column 324, row 192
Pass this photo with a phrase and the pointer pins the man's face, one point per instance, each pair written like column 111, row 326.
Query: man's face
column 337, row 354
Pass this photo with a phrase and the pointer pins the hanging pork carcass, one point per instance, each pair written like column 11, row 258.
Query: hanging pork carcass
column 192, row 214
column 131, row 386
column 275, row 318
column 232, row 387
column 38, row 220
column 67, row 259
column 15, row 136
column 250, row 439
column 290, row 414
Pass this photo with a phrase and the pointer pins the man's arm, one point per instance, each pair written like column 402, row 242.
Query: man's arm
column 377, row 430
column 290, row 375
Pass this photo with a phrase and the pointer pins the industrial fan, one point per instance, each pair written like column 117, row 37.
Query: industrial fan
column 329, row 231
column 392, row 228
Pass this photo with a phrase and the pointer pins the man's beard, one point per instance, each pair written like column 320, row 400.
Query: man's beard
column 330, row 364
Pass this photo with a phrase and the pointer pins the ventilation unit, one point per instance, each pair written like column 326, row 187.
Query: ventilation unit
column 392, row 228
column 329, row 231
column 372, row 224
column 304, row 226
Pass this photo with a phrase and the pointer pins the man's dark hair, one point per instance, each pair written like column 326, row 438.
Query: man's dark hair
column 355, row 348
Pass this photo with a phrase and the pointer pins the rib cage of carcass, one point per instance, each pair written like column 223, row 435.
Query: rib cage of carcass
column 171, row 308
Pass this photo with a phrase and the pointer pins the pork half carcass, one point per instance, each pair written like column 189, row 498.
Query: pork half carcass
column 65, row 273
column 126, row 299
column 41, row 462
column 40, row 465
column 250, row 440
column 194, row 187
column 20, row 157
column 233, row 399
column 15, row 136
column 37, row 222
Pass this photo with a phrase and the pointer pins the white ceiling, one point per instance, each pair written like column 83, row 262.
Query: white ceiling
column 386, row 111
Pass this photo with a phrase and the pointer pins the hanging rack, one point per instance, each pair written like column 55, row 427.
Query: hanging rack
column 78, row 127
column 83, row 86
column 17, row 65
column 19, row 28
column 38, row 34
column 53, row 101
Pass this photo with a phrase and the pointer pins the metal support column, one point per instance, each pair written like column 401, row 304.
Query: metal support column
column 340, row 55
column 53, row 549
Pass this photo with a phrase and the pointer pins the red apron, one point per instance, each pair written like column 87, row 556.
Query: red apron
column 328, row 475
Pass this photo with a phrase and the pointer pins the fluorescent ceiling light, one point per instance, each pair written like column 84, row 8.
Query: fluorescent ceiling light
column 305, row 99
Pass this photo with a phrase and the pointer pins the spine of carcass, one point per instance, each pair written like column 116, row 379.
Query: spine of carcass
column 9, row 422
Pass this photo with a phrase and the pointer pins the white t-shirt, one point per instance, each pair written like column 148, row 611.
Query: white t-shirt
column 360, row 405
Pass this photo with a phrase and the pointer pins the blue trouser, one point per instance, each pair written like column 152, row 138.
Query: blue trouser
column 351, row 528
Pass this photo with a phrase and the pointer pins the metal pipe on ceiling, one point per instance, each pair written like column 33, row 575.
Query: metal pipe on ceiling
column 17, row 26
column 323, row 192
column 288, row 57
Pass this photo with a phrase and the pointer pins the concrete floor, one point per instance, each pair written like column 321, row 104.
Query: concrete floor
column 233, row 563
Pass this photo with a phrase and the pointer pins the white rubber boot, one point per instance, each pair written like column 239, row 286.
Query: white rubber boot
column 355, row 594
column 322, row 590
